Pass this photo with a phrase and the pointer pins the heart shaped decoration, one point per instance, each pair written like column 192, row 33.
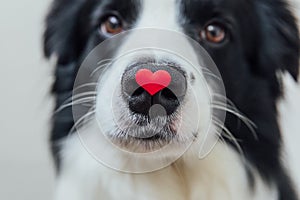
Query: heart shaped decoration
column 153, row 82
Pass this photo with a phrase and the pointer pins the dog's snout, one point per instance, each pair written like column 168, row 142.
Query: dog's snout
column 145, row 85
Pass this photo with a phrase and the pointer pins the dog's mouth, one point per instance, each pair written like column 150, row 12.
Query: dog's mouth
column 139, row 133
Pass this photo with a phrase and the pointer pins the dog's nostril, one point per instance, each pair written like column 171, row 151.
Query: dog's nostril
column 138, row 92
column 167, row 99
column 140, row 102
column 168, row 94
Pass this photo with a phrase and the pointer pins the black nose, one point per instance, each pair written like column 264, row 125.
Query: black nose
column 138, row 96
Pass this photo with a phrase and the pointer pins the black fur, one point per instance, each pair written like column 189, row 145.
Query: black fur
column 70, row 35
column 263, row 41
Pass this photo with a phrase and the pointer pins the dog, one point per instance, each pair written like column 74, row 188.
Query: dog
column 250, row 43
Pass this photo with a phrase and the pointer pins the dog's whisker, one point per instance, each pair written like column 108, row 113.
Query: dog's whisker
column 232, row 106
column 83, row 94
column 228, row 135
column 82, row 119
column 233, row 110
column 76, row 102
column 208, row 72
column 224, row 98
column 85, row 85
column 104, row 61
column 74, row 97
column 99, row 68
column 77, row 96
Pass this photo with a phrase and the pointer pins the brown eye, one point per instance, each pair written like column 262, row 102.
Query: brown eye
column 214, row 33
column 112, row 25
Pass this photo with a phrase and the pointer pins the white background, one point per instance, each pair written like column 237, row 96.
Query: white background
column 26, row 169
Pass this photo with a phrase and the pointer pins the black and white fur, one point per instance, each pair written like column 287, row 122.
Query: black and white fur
column 263, row 43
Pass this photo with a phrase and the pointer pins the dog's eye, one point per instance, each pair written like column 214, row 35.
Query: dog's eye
column 112, row 25
column 214, row 33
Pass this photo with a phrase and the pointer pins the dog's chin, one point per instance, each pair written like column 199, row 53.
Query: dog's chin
column 142, row 134
column 142, row 145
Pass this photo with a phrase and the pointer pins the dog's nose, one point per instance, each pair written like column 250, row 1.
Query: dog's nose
column 148, row 84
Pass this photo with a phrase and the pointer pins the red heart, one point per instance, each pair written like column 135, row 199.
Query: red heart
column 153, row 82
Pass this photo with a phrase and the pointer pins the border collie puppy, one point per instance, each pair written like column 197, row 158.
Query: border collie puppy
column 141, row 112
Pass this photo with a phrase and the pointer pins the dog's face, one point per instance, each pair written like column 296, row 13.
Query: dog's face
column 249, row 41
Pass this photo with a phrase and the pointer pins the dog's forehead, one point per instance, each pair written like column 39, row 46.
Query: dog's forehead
column 117, row 4
column 172, row 14
column 193, row 9
column 159, row 14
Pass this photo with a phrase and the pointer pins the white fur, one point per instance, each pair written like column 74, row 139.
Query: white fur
column 221, row 175
column 289, row 115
